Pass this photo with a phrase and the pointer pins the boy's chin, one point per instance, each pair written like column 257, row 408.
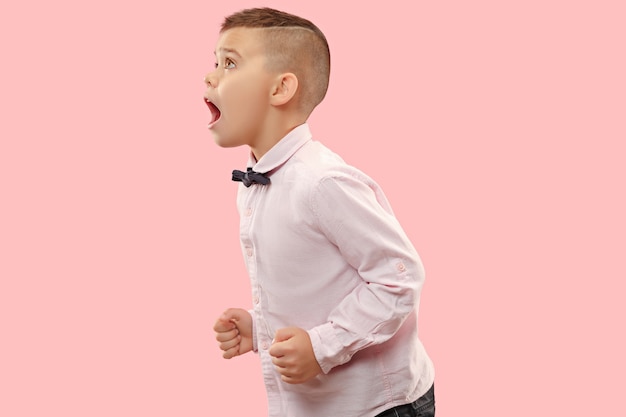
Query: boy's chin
column 224, row 141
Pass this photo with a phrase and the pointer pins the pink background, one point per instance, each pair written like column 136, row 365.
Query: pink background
column 496, row 128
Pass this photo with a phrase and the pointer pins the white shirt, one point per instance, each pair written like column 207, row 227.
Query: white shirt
column 325, row 253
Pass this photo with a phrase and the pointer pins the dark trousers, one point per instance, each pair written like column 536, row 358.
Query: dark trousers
column 424, row 406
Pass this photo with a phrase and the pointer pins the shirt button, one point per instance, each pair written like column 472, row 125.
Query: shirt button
column 249, row 212
column 400, row 266
column 256, row 300
column 265, row 345
column 249, row 251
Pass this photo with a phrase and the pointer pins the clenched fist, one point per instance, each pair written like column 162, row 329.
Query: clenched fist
column 234, row 332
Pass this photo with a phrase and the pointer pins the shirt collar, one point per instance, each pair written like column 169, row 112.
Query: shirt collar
column 281, row 151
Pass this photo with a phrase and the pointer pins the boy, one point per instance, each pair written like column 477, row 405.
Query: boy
column 335, row 281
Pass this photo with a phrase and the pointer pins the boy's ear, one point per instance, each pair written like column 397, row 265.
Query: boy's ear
column 284, row 89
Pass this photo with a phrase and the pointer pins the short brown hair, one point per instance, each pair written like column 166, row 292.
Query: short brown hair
column 293, row 44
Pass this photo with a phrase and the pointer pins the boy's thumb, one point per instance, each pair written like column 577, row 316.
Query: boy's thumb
column 231, row 314
column 284, row 334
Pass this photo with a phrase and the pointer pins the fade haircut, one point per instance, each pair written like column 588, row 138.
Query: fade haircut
column 292, row 44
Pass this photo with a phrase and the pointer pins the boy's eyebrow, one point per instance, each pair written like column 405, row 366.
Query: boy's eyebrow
column 231, row 50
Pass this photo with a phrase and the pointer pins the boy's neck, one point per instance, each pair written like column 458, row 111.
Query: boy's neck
column 272, row 136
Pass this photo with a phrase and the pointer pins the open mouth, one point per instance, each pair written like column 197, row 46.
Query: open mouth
column 215, row 112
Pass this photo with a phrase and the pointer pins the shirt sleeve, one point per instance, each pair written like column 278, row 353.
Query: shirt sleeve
column 355, row 216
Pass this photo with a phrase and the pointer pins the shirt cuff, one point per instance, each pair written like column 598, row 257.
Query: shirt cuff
column 255, row 346
column 329, row 351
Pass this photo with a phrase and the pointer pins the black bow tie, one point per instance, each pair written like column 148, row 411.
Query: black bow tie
column 250, row 177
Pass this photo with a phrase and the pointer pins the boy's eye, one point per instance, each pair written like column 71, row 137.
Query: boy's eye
column 216, row 65
column 228, row 64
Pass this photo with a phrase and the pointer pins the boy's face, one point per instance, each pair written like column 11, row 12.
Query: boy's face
column 238, row 90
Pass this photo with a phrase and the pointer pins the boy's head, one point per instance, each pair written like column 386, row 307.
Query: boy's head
column 270, row 65
column 291, row 44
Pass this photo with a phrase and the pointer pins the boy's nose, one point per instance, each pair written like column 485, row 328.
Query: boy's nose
column 210, row 79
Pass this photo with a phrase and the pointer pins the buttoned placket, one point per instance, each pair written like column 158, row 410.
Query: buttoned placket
column 263, row 333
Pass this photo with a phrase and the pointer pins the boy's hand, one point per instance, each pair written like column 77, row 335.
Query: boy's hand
column 234, row 332
column 293, row 355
